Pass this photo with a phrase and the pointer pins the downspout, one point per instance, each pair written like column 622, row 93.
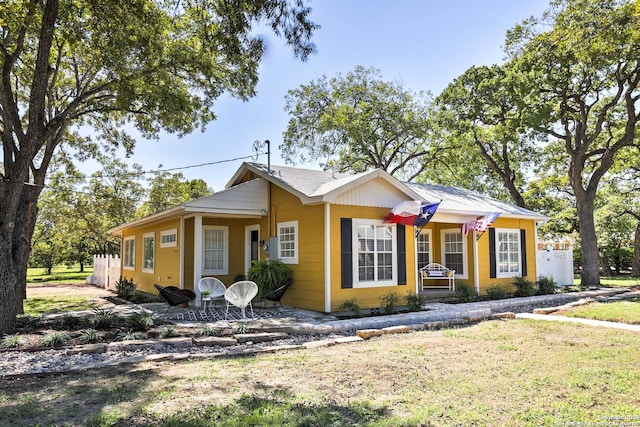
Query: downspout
column 327, row 257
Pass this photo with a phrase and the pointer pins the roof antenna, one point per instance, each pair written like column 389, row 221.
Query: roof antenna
column 257, row 145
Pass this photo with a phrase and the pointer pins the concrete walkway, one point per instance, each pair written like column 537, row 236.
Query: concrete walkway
column 590, row 322
column 298, row 321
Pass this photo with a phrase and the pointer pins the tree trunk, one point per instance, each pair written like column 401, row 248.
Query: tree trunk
column 590, row 275
column 635, row 263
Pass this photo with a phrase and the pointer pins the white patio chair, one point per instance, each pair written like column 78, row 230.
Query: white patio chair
column 214, row 287
column 240, row 295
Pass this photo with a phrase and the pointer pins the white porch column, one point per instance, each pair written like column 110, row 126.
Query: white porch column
column 181, row 239
column 197, row 255
column 327, row 258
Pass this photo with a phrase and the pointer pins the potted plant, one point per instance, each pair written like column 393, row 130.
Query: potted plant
column 269, row 275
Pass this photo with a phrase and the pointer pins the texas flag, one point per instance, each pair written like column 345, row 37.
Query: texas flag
column 412, row 213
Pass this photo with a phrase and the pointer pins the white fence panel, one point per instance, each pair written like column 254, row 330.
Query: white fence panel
column 106, row 270
column 557, row 263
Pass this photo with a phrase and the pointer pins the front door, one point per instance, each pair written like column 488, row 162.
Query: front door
column 252, row 245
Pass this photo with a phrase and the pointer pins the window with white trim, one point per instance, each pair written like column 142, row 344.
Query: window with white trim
column 148, row 252
column 454, row 251
column 129, row 256
column 288, row 242
column 508, row 253
column 169, row 238
column 375, row 254
column 215, row 247
column 423, row 243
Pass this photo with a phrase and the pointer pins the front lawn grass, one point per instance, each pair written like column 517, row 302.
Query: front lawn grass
column 613, row 281
column 59, row 274
column 495, row 373
column 619, row 311
column 57, row 304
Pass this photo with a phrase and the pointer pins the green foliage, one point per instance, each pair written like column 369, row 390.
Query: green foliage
column 121, row 68
column 168, row 190
column 129, row 336
column 496, row 292
column 168, row 332
column 358, row 122
column 389, row 302
column 524, row 287
column 414, row 301
column 465, row 292
column 241, row 328
column 102, row 318
column 140, row 297
column 546, row 285
column 125, row 288
column 71, row 322
column 209, row 331
column 239, row 277
column 269, row 275
column 141, row 321
column 55, row 339
column 11, row 341
column 350, row 305
column 57, row 304
column 89, row 336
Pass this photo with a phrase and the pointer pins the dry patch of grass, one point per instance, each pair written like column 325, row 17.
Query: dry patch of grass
column 493, row 373
column 619, row 311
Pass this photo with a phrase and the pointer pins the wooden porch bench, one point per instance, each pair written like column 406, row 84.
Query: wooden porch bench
column 440, row 273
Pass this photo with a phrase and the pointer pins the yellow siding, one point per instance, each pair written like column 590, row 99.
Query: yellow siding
column 167, row 260
column 365, row 297
column 483, row 254
column 308, row 275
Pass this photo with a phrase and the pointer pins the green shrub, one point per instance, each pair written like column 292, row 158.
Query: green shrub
column 239, row 278
column 350, row 305
column 11, row 341
column 546, row 285
column 125, row 288
column 102, row 318
column 524, row 287
column 55, row 339
column 389, row 302
column 465, row 293
column 269, row 275
column 89, row 336
column 141, row 321
column 209, row 331
column 414, row 301
column 140, row 297
column 496, row 292
column 129, row 336
column 70, row 322
column 168, row 332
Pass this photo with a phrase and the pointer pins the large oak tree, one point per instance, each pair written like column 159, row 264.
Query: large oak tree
column 105, row 63
column 356, row 122
column 582, row 65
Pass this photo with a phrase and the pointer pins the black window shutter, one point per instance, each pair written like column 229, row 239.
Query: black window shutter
column 346, row 244
column 523, row 252
column 492, row 253
column 402, row 254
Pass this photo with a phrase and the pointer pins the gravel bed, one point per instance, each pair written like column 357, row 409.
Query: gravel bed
column 16, row 362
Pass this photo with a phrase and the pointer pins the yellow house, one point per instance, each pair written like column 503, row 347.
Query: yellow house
column 329, row 229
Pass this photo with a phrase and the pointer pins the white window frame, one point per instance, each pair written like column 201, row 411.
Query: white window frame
column 288, row 259
column 145, row 237
column 129, row 255
column 225, row 249
column 465, row 251
column 394, row 254
column 171, row 243
column 429, row 234
column 501, row 232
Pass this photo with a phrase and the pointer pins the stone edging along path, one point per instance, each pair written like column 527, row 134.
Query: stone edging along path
column 437, row 316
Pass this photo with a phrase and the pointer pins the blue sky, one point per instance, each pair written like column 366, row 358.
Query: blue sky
column 423, row 43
